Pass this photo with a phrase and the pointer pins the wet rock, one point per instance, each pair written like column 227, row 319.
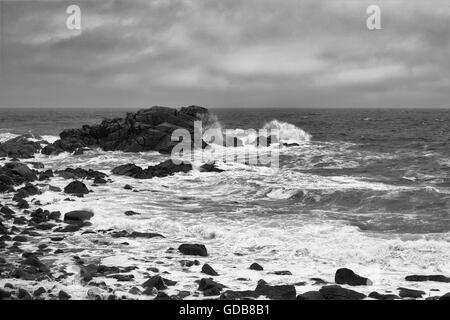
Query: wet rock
column 290, row 145
column 39, row 291
column 193, row 250
column 156, row 282
column 76, row 187
column 256, row 266
column 282, row 273
column 22, row 204
column 62, row 295
column 210, row 287
column 207, row 269
column 23, row 294
column 145, row 130
column 20, row 239
column 69, row 228
column 54, row 189
column 311, row 295
column 12, row 174
column 135, row 234
column 128, row 187
column 445, row 297
column 132, row 213
column 122, row 277
column 95, row 294
column 238, row 295
column 164, row 169
column 347, row 276
column 421, row 278
column 162, row 296
column 4, row 294
column 189, row 263
column 278, row 292
column 19, row 147
column 79, row 173
column 80, row 151
column 135, row 291
column 100, row 181
column 78, row 216
column 335, row 292
column 410, row 293
column 45, row 175
column 210, row 167
column 379, row 296
column 34, row 262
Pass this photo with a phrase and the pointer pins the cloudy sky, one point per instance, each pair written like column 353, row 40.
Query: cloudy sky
column 225, row 53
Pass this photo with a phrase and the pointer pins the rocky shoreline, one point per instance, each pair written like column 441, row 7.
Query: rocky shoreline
column 32, row 238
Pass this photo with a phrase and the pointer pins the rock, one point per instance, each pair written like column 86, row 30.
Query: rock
column 19, row 147
column 379, row 296
column 410, row 293
column 62, row 295
column 122, row 277
column 23, row 204
column 128, row 187
column 12, row 174
column 34, row 262
column 189, row 263
column 54, row 189
column 145, row 130
column 237, row 295
column 207, row 269
column 335, row 292
column 210, row 167
column 38, row 292
column 4, row 294
column 256, row 266
column 20, row 239
column 289, row 145
column 445, row 297
column 135, row 291
column 282, row 273
column 23, row 294
column 193, row 250
column 100, row 181
column 347, row 276
column 25, row 192
column 436, row 278
column 76, row 187
column 210, row 287
column 161, row 170
column 158, row 283
column 78, row 216
column 279, row 292
column 311, row 295
column 132, row 213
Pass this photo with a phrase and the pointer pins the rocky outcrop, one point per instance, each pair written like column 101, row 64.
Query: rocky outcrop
column 163, row 169
column 145, row 130
column 20, row 147
column 15, row 173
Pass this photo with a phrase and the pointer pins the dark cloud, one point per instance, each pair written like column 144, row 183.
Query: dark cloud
column 225, row 53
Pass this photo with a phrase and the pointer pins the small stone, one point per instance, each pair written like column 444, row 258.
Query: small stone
column 256, row 266
column 207, row 269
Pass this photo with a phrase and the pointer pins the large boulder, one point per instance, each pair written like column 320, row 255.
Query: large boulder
column 15, row 173
column 78, row 216
column 20, row 147
column 144, row 130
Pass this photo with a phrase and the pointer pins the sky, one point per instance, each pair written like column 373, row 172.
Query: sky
column 225, row 54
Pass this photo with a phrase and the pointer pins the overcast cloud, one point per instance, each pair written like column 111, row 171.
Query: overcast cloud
column 225, row 53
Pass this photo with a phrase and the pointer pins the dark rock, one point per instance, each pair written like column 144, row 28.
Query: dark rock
column 15, row 174
column 189, row 263
column 38, row 292
column 19, row 147
column 311, row 295
column 54, row 189
column 145, row 130
column 46, row 175
column 237, row 295
column 122, row 277
column 436, row 278
column 4, row 294
column 76, row 187
column 210, row 167
column 335, row 292
column 62, row 295
column 161, row 170
column 207, row 269
column 79, row 173
column 410, row 293
column 23, row 294
column 158, row 283
column 256, row 266
column 347, row 276
column 78, row 216
column 132, row 213
column 282, row 273
column 23, row 204
column 379, row 296
column 289, row 145
column 128, row 187
column 193, row 250
column 100, row 181
column 210, row 287
column 279, row 292
column 20, row 239
column 34, row 262
column 445, row 297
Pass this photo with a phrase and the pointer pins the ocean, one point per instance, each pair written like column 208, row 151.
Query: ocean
column 365, row 189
